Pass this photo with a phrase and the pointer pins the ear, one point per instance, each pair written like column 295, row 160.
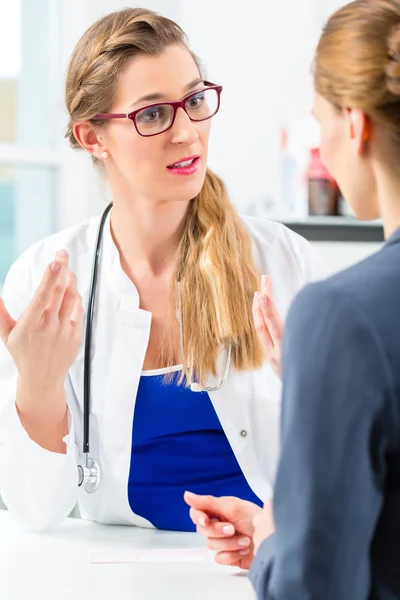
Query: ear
column 89, row 139
column 359, row 128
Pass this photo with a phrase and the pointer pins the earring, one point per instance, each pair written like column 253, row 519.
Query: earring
column 105, row 154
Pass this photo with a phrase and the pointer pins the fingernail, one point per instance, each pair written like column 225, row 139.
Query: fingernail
column 55, row 266
column 264, row 280
column 228, row 530
column 244, row 541
column 190, row 495
column 244, row 552
column 202, row 522
column 62, row 253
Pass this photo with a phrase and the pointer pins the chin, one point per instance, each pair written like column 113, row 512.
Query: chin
column 364, row 212
column 186, row 190
column 367, row 216
column 362, row 202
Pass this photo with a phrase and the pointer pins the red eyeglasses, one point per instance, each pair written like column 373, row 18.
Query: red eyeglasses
column 157, row 118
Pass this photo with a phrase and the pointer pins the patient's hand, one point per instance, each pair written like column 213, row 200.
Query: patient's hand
column 227, row 523
column 264, row 525
column 268, row 324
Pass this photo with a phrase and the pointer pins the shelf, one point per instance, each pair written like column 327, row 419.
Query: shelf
column 336, row 229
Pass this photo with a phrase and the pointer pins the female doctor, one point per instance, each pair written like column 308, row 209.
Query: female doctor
column 169, row 389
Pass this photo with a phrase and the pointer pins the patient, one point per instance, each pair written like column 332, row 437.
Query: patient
column 337, row 492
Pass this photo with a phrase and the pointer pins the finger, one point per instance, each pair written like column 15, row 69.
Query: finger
column 232, row 559
column 199, row 517
column 44, row 292
column 217, row 529
column 69, row 299
column 209, row 504
column 78, row 312
column 262, row 327
column 61, row 284
column 271, row 317
column 266, row 286
column 7, row 323
column 268, row 291
column 233, row 544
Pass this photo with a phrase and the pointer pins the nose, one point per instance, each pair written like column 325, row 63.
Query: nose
column 183, row 129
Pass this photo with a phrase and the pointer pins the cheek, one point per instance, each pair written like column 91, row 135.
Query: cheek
column 139, row 153
column 330, row 142
column 203, row 131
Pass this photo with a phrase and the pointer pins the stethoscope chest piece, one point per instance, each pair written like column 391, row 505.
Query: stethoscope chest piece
column 89, row 475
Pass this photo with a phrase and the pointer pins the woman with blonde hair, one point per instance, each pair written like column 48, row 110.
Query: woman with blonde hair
column 170, row 387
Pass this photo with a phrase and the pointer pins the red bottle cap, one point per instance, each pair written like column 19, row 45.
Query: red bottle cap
column 316, row 168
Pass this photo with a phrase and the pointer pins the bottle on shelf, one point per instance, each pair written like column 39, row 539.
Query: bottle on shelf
column 322, row 188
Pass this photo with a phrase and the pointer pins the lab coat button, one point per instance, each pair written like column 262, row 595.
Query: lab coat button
column 243, row 433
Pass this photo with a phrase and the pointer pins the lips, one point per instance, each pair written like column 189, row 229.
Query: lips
column 185, row 166
column 184, row 163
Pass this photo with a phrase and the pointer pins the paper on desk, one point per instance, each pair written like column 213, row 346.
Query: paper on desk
column 141, row 556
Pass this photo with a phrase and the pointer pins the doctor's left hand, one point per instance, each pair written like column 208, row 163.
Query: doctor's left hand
column 269, row 324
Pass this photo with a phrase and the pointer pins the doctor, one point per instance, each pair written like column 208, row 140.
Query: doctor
column 175, row 377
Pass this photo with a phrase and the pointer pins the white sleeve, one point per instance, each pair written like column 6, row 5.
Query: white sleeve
column 39, row 487
column 308, row 260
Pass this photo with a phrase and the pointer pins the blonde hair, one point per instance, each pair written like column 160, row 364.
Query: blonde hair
column 214, row 259
column 357, row 62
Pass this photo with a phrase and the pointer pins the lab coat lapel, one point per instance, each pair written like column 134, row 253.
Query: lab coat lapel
column 123, row 331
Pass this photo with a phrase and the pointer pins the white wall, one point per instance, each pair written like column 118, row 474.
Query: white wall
column 323, row 9
column 99, row 8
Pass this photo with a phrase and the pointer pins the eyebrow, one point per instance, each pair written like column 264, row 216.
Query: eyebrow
column 157, row 97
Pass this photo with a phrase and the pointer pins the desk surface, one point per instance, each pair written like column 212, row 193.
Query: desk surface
column 56, row 566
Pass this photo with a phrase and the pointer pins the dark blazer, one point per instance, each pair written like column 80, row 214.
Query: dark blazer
column 337, row 493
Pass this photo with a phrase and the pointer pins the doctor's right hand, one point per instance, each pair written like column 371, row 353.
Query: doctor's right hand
column 45, row 340
column 269, row 324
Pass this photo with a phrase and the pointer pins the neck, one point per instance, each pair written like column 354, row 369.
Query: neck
column 147, row 233
column 389, row 203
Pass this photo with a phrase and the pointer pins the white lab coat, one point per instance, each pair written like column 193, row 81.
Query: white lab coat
column 40, row 487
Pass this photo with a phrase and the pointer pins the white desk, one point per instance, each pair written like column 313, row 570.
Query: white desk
column 56, row 566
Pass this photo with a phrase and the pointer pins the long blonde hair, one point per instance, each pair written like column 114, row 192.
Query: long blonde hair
column 214, row 258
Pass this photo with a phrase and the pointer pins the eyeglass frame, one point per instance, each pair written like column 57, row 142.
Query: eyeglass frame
column 175, row 105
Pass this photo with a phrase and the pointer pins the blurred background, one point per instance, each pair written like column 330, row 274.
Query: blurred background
column 264, row 141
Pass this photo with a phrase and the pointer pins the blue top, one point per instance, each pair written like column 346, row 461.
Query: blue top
column 337, row 492
column 178, row 444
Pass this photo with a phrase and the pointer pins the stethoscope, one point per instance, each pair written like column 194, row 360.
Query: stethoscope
column 89, row 472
